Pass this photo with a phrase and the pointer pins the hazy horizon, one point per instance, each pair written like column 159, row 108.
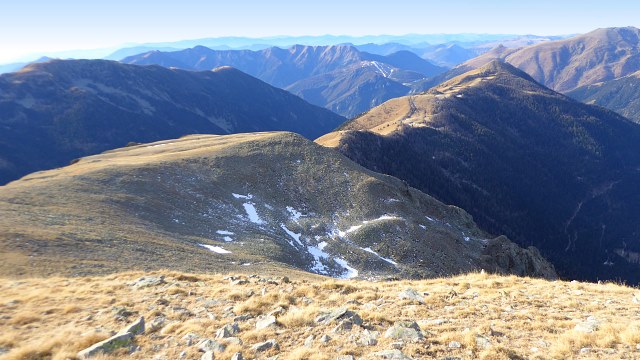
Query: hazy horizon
column 38, row 27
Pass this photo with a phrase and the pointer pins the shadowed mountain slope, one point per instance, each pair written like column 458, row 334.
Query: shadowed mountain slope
column 53, row 112
column 524, row 160
column 220, row 203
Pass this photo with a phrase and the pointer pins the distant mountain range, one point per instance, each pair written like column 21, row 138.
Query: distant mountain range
column 524, row 160
column 255, row 201
column 312, row 72
column 564, row 65
column 51, row 113
column 621, row 95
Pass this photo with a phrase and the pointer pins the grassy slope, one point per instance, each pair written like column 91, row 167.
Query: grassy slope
column 521, row 317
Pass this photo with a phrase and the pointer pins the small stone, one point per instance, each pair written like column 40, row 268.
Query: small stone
column 190, row 338
column 455, row 345
column 211, row 345
column 405, row 330
column 157, row 323
column 588, row 326
column 162, row 301
column 411, row 294
column 345, row 357
column 264, row 346
column 638, row 347
column 135, row 328
column 343, row 326
column 183, row 355
column 399, row 345
column 227, row 331
column 207, row 356
column 234, row 341
column 240, row 282
column 369, row 338
column 392, row 354
column 482, row 342
column 237, row 356
column 263, row 322
column 325, row 339
column 636, row 298
column 242, row 318
column 277, row 312
column 147, row 281
column 339, row 314
column 585, row 350
column 308, row 342
column 115, row 342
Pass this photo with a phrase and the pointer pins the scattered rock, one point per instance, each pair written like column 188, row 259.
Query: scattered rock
column 162, row 301
column 237, row 356
column 264, row 346
column 482, row 342
column 207, row 356
column 190, row 338
column 392, row 354
column 411, row 294
column 234, row 341
column 242, row 318
column 211, row 345
column 397, row 345
column 345, row 357
column 227, row 331
column 369, row 338
column 277, row 312
column 240, row 282
column 405, row 331
column 455, row 345
column 636, row 298
column 115, row 342
column 585, row 350
column 183, row 355
column 148, row 281
column 122, row 313
column 343, row 326
column 325, row 339
column 135, row 328
column 339, row 314
column 263, row 322
column 308, row 342
column 157, row 323
column 588, row 326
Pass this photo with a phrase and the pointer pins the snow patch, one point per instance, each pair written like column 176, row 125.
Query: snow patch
column 252, row 213
column 295, row 214
column 293, row 235
column 422, row 226
column 350, row 272
column 318, row 255
column 215, row 249
column 369, row 250
column 224, row 232
column 238, row 196
column 227, row 239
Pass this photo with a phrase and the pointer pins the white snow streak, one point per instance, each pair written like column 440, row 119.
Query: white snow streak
column 369, row 250
column 224, row 232
column 215, row 249
column 350, row 272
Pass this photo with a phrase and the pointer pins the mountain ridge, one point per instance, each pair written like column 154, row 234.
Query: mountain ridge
column 501, row 146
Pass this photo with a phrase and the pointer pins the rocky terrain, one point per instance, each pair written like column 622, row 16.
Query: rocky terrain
column 248, row 201
column 170, row 315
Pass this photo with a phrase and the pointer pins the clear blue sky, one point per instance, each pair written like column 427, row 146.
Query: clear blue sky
column 35, row 26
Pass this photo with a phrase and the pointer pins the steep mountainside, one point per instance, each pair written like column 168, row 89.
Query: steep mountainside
column 306, row 68
column 247, row 201
column 54, row 112
column 620, row 95
column 355, row 89
column 523, row 160
column 564, row 65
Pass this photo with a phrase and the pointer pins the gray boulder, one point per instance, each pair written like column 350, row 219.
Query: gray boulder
column 405, row 331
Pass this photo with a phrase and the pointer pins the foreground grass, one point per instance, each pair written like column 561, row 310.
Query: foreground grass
column 54, row 318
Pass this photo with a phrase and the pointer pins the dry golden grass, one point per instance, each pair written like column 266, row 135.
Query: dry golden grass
column 521, row 318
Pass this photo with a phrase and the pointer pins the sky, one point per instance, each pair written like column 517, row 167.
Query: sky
column 41, row 26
